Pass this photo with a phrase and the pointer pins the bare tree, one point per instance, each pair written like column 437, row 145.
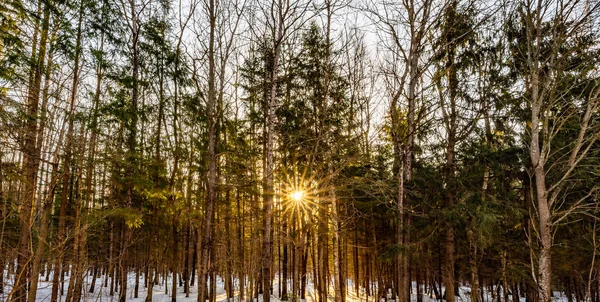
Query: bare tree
column 546, row 66
column 31, row 154
column 281, row 18
column 406, row 25
column 223, row 18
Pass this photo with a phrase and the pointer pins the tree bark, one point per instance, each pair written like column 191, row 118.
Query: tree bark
column 31, row 159
column 207, row 229
column 268, row 188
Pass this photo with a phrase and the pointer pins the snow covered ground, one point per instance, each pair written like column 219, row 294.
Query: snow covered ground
column 101, row 293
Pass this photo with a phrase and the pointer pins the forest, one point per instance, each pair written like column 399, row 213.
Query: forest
column 300, row 150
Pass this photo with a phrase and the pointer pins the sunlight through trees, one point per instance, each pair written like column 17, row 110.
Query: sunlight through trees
column 326, row 150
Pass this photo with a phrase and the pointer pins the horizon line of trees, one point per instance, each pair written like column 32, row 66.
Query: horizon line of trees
column 267, row 144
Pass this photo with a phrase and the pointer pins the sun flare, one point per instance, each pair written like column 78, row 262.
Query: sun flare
column 297, row 195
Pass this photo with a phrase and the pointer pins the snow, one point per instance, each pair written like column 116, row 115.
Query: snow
column 101, row 293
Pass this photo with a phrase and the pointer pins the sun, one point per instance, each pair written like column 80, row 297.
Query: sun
column 297, row 195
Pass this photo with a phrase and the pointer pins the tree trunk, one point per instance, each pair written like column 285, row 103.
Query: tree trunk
column 544, row 218
column 268, row 188
column 48, row 197
column 207, row 229
column 31, row 156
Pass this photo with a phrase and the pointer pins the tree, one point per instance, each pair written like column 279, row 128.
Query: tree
column 406, row 26
column 558, row 90
column 456, row 54
column 154, row 144
column 281, row 18
column 31, row 154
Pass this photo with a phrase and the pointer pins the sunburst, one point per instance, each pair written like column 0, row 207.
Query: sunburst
column 297, row 196
column 302, row 196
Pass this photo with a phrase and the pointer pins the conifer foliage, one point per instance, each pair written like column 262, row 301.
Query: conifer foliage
column 299, row 150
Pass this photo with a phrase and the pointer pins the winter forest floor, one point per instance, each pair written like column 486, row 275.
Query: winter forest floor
column 102, row 294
